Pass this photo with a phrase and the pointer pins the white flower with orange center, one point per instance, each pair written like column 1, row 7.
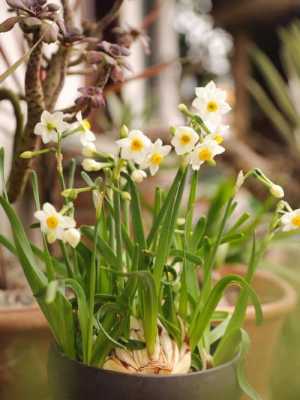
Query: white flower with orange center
column 184, row 139
column 291, row 220
column 53, row 223
column 51, row 126
column 157, row 153
column 218, row 132
column 84, row 129
column 134, row 147
column 210, row 103
column 205, row 152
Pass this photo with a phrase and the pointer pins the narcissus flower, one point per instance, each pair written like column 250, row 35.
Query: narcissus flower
column 138, row 175
column 53, row 223
column 84, row 129
column 205, row 151
column 156, row 154
column 291, row 220
column 71, row 236
column 210, row 103
column 184, row 139
column 167, row 359
column 51, row 126
column 218, row 132
column 135, row 147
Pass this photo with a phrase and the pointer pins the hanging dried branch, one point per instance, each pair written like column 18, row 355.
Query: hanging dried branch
column 108, row 18
column 27, row 140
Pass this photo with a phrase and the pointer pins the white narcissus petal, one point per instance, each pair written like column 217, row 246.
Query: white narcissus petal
column 210, row 103
column 184, row 139
column 134, row 147
column 291, row 220
column 155, row 156
column 49, row 208
column 89, row 150
column 67, row 222
column 51, row 126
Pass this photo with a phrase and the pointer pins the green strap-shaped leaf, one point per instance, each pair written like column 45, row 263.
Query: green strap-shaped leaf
column 201, row 320
column 241, row 375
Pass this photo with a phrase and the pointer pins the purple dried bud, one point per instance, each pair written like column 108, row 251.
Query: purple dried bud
column 32, row 22
column 113, row 50
column 94, row 57
column 91, row 97
column 117, row 74
column 50, row 31
column 73, row 36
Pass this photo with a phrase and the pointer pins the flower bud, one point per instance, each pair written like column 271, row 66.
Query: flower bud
column 277, row 191
column 70, row 194
column 72, row 237
column 173, row 130
column 126, row 196
column 91, row 165
column 124, row 132
column 183, row 108
column 239, row 181
column 138, row 175
column 89, row 150
column 181, row 221
column 27, row 154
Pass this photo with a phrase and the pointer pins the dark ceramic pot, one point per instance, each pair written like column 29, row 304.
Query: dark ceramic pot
column 71, row 380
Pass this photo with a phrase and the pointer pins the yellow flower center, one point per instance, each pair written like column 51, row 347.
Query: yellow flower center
column 218, row 138
column 205, row 154
column 212, row 106
column 137, row 145
column 86, row 124
column 156, row 158
column 296, row 221
column 185, row 138
column 50, row 127
column 52, row 222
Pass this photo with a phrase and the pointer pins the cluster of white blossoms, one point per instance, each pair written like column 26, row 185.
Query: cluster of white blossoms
column 210, row 105
column 55, row 225
column 198, row 143
column 52, row 128
column 138, row 148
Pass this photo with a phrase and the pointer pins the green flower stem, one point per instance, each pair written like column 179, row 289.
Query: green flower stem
column 191, row 204
column 207, row 285
column 118, row 222
column 92, row 291
column 49, row 263
column 59, row 159
column 66, row 258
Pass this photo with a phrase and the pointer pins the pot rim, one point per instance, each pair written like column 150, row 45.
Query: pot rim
column 54, row 347
column 281, row 306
